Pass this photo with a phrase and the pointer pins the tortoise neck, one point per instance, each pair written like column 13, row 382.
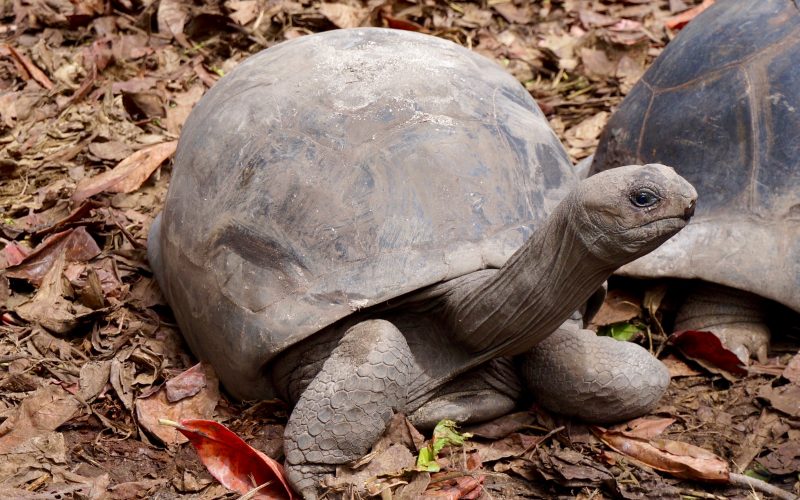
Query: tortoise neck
column 542, row 284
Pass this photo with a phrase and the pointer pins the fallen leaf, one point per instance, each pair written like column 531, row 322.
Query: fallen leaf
column 680, row 20
column 343, row 15
column 383, row 471
column 93, row 379
column 233, row 462
column 785, row 398
column 129, row 174
column 243, row 11
column 792, row 370
column 707, row 349
column 682, row 460
column 30, row 68
column 188, row 383
column 200, row 404
column 467, row 486
column 39, row 414
column 172, row 16
column 73, row 245
column 49, row 308
column 679, row 368
column 785, row 459
column 12, row 254
column 513, row 445
column 503, row 426
column 644, row 427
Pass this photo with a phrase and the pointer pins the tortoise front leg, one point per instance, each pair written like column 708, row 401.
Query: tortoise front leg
column 348, row 404
column 576, row 373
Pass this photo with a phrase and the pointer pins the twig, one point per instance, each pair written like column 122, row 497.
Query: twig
column 762, row 486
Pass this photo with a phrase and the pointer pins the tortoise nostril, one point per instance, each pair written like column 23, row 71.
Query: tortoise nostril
column 689, row 211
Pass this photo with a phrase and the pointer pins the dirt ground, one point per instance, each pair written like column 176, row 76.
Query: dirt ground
column 92, row 98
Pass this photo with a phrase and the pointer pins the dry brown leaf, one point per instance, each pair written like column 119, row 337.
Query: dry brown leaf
column 31, row 68
column 49, row 308
column 73, row 245
column 40, row 413
column 785, row 398
column 243, row 11
column 343, row 15
column 678, row 368
column 187, row 384
column 503, row 426
column 172, row 16
column 199, row 406
column 184, row 102
column 94, row 377
column 679, row 459
column 792, row 370
column 129, row 174
column 645, row 428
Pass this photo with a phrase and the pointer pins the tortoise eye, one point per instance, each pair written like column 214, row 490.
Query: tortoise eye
column 644, row 198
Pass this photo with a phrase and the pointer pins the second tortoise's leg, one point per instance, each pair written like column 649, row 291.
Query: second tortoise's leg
column 599, row 379
column 736, row 317
column 489, row 391
column 348, row 404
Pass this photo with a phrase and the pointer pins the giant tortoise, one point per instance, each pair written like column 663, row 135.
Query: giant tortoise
column 722, row 105
column 367, row 221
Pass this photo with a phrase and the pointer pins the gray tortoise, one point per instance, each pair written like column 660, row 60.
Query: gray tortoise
column 368, row 221
column 722, row 104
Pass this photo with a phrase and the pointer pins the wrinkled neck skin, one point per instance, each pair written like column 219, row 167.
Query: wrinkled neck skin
column 540, row 286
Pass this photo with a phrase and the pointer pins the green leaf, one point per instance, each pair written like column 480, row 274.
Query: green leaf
column 623, row 331
column 444, row 434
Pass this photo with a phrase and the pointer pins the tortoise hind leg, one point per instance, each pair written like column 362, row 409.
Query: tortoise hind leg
column 738, row 318
column 348, row 404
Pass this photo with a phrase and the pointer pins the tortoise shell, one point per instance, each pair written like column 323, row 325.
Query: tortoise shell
column 722, row 105
column 337, row 171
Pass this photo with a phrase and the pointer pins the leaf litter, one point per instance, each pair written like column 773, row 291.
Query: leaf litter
column 93, row 98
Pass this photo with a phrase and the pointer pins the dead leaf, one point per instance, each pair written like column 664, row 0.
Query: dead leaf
column 129, row 174
column 707, row 350
column 49, row 308
column 233, row 462
column 785, row 398
column 644, row 427
column 30, row 68
column 678, row 368
column 94, row 377
column 618, row 306
column 243, row 11
column 679, row 21
column 172, row 16
column 503, row 426
column 200, row 405
column 343, row 15
column 681, row 460
column 183, row 104
column 73, row 245
column 792, row 370
column 785, row 459
column 40, row 413
column 187, row 384
column 513, row 445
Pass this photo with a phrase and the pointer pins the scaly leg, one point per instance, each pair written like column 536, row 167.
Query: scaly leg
column 348, row 404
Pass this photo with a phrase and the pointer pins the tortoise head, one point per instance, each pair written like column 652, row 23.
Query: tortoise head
column 629, row 211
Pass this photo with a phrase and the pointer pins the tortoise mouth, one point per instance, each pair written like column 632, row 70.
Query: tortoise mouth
column 678, row 221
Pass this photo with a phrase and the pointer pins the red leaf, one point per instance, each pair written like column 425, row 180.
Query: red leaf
column 234, row 463
column 678, row 21
column 708, row 350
